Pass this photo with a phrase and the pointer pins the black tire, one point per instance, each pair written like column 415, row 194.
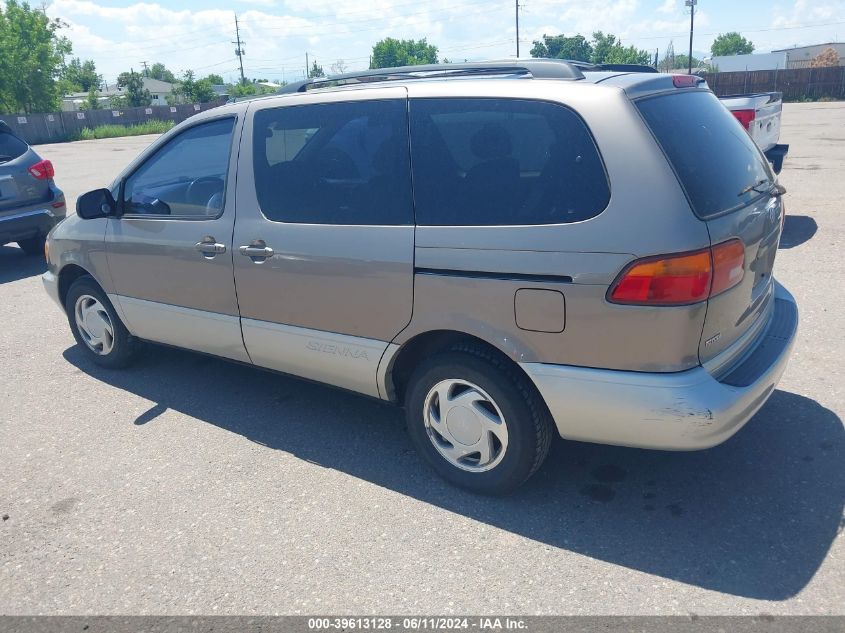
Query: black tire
column 33, row 245
column 124, row 345
column 529, row 424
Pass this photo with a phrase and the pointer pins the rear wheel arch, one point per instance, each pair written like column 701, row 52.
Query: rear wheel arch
column 426, row 344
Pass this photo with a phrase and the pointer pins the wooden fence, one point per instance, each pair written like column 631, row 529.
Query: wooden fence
column 794, row 83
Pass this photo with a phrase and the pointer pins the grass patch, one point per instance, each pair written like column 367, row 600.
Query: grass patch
column 153, row 126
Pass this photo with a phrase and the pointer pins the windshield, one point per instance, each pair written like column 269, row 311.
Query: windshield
column 716, row 161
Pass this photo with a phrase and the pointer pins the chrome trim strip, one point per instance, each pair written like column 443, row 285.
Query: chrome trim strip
column 350, row 362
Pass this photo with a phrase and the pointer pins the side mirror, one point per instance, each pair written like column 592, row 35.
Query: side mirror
column 96, row 204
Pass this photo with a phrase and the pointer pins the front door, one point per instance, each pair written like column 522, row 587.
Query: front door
column 324, row 240
column 170, row 253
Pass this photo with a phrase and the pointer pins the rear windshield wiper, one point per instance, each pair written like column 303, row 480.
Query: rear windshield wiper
column 774, row 189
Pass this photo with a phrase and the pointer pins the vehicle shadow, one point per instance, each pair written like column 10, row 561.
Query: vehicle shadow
column 797, row 229
column 16, row 265
column 754, row 517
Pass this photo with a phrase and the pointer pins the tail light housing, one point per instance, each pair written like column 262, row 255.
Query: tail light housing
column 680, row 278
column 42, row 170
column 746, row 117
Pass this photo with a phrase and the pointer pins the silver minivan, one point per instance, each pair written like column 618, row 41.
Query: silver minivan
column 506, row 250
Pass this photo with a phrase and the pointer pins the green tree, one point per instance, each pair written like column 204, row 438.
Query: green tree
column 92, row 101
column 391, row 52
column 214, row 79
column 160, row 72
column 731, row 44
column 681, row 62
column 561, row 47
column 607, row 49
column 136, row 95
column 194, row 90
column 31, row 52
column 82, row 75
column 315, row 71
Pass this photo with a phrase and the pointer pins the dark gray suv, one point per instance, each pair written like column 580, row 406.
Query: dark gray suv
column 508, row 251
column 30, row 202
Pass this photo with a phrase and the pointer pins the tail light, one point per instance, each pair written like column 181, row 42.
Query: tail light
column 681, row 279
column 43, row 170
column 728, row 266
column 745, row 117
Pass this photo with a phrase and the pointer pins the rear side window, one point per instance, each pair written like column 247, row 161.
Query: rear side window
column 479, row 162
column 11, row 147
column 713, row 155
column 336, row 163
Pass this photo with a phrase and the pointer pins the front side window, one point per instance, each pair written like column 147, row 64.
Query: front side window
column 336, row 163
column 479, row 162
column 185, row 178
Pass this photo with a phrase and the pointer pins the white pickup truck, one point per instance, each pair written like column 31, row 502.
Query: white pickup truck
column 760, row 114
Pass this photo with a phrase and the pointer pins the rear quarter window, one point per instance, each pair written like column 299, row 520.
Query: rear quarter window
column 712, row 154
column 481, row 162
column 11, row 147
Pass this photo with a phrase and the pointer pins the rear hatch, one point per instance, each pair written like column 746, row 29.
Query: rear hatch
column 18, row 187
column 731, row 188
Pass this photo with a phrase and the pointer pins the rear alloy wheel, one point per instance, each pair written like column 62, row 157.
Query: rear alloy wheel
column 477, row 420
column 95, row 325
column 33, row 245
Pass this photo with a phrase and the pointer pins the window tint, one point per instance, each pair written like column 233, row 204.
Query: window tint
column 10, row 147
column 503, row 162
column 186, row 177
column 337, row 163
column 713, row 155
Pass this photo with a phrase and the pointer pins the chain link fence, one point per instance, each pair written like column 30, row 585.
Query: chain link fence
column 55, row 127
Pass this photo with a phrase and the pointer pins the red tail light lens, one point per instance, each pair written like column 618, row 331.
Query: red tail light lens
column 681, row 279
column 670, row 280
column 42, row 170
column 744, row 116
column 728, row 265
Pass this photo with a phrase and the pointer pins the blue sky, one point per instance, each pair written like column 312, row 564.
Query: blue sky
column 196, row 34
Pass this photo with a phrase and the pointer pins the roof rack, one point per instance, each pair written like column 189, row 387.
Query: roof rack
column 532, row 68
column 625, row 68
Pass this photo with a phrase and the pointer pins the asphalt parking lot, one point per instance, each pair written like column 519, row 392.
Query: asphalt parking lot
column 188, row 485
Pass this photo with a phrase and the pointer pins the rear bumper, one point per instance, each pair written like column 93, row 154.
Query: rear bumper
column 687, row 410
column 30, row 221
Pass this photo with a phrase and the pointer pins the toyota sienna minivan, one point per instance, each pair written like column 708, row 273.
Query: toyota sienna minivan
column 507, row 250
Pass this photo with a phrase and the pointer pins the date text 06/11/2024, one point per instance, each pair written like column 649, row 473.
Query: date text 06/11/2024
column 430, row 623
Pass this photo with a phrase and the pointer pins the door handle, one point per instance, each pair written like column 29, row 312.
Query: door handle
column 256, row 251
column 209, row 247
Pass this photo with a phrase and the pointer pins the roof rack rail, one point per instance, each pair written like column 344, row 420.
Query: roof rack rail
column 534, row 68
column 625, row 68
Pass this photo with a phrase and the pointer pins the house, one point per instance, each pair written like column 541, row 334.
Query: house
column 801, row 56
column 159, row 90
column 795, row 57
column 752, row 61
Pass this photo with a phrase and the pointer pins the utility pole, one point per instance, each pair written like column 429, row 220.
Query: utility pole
column 307, row 67
column 517, row 29
column 239, row 51
column 146, row 71
column 691, row 4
